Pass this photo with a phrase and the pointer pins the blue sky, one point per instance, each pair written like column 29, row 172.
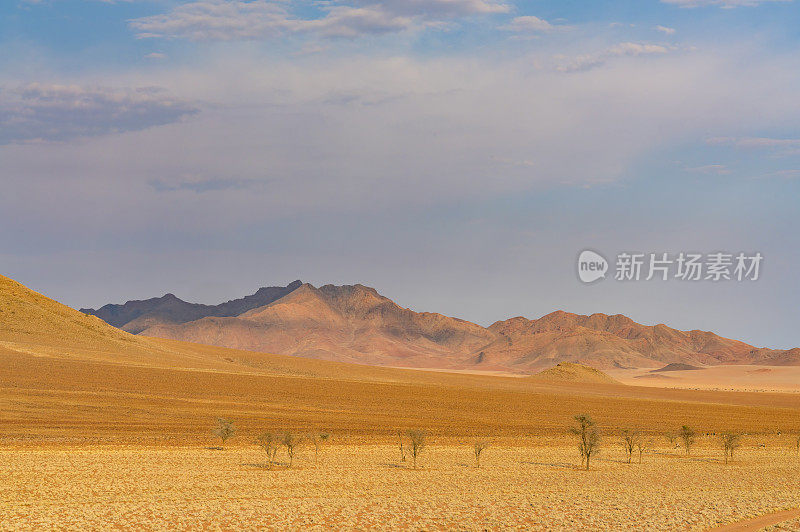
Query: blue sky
column 455, row 154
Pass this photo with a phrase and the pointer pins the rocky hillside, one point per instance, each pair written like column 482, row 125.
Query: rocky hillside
column 136, row 316
column 357, row 324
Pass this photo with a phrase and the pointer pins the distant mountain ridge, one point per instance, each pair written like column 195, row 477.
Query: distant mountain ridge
column 136, row 316
column 354, row 323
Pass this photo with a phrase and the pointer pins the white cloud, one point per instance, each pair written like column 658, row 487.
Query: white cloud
column 726, row 4
column 441, row 8
column 40, row 112
column 218, row 20
column 665, row 30
column 528, row 24
column 329, row 133
column 626, row 49
column 225, row 20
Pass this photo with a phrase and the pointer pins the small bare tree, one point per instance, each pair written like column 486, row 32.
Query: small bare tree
column 477, row 448
column 797, row 443
column 317, row 439
column 670, row 437
column 270, row 442
column 730, row 441
column 417, row 441
column 224, row 430
column 291, row 442
column 688, row 436
column 642, row 445
column 402, row 446
column 588, row 437
column 630, row 438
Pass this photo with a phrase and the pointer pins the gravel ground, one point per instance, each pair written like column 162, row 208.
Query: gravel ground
column 366, row 487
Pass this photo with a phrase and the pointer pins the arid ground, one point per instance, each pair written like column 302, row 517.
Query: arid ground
column 100, row 429
column 366, row 487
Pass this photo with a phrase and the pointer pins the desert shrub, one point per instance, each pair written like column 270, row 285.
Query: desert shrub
column 642, row 445
column 317, row 438
column 477, row 448
column 402, row 446
column 588, row 437
column 291, row 442
column 730, row 441
column 630, row 438
column 224, row 429
column 269, row 441
column 417, row 439
column 688, row 436
column 670, row 437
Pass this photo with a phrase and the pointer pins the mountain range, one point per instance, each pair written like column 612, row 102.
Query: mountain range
column 354, row 323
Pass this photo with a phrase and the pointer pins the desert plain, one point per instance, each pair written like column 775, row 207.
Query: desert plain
column 105, row 430
column 365, row 486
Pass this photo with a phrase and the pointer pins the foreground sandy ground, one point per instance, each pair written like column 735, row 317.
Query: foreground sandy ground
column 366, row 487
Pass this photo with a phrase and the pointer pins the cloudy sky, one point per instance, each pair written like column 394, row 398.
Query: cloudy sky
column 455, row 154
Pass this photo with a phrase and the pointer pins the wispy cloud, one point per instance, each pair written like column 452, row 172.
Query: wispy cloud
column 665, row 30
column 529, row 24
column 710, row 169
column 783, row 146
column 441, row 8
column 225, row 20
column 782, row 174
column 40, row 112
column 625, row 49
column 726, row 4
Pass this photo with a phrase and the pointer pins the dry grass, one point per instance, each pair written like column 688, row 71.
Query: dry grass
column 365, row 487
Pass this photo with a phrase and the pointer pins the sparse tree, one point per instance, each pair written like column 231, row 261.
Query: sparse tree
column 642, row 445
column 588, row 437
column 402, row 446
column 317, row 439
column 224, row 430
column 670, row 437
column 269, row 441
column 630, row 438
column 730, row 441
column 477, row 448
column 291, row 442
column 797, row 443
column 417, row 441
column 688, row 436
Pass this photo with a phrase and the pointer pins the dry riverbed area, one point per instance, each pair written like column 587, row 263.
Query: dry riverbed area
column 367, row 487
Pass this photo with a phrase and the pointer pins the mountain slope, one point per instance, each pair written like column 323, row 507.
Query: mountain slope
column 27, row 317
column 357, row 324
column 345, row 323
column 605, row 341
column 136, row 316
